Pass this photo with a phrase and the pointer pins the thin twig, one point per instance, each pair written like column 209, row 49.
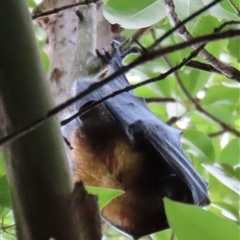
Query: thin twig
column 159, row 100
column 200, row 109
column 173, row 120
column 18, row 133
column 225, row 24
column 147, row 56
column 131, row 87
column 57, row 10
column 197, row 105
column 228, row 71
column 207, row 67
column 172, row 236
column 179, row 24
column 135, row 37
column 202, row 66
column 216, row 134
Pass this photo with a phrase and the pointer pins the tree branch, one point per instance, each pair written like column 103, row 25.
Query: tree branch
column 36, row 164
column 228, row 71
column 146, row 56
column 38, row 14
column 216, row 134
column 159, row 100
column 225, row 24
column 202, row 66
column 179, row 24
column 173, row 120
column 200, row 109
column 207, row 67
column 172, row 236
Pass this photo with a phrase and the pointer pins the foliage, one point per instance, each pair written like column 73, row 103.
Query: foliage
column 215, row 152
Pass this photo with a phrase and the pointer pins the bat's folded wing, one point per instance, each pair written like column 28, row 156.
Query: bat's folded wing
column 140, row 124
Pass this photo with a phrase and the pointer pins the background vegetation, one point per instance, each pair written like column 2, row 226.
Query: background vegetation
column 213, row 148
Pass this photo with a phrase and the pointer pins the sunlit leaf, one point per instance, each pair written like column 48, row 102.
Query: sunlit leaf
column 227, row 5
column 191, row 222
column 199, row 145
column 234, row 48
column 220, row 13
column 105, row 195
column 219, row 94
column 223, row 112
column 228, row 210
column 187, row 7
column 5, row 198
column 2, row 168
column 134, row 15
column 221, row 175
column 231, row 152
column 205, row 25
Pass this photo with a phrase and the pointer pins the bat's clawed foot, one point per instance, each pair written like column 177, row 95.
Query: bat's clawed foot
column 107, row 56
column 116, row 50
column 115, row 54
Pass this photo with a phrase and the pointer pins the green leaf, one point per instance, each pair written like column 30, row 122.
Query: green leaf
column 146, row 92
column 45, row 60
column 237, row 172
column 186, row 8
column 220, row 13
column 159, row 110
column 191, row 222
column 223, row 176
column 234, row 48
column 205, row 25
column 5, row 197
column 227, row 6
column 31, row 3
column 201, row 123
column 228, row 210
column 2, row 168
column 162, row 235
column 105, row 195
column 194, row 81
column 220, row 102
column 199, row 144
column 223, row 112
column 219, row 94
column 167, row 87
column 3, row 213
column 135, row 14
column 231, row 152
column 219, row 192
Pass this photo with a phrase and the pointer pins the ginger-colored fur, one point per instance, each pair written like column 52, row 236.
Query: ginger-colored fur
column 114, row 163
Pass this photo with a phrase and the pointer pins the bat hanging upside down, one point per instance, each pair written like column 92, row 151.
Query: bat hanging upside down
column 121, row 144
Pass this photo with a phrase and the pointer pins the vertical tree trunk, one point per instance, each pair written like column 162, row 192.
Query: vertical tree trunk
column 36, row 163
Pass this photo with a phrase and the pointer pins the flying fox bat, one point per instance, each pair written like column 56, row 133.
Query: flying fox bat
column 121, row 144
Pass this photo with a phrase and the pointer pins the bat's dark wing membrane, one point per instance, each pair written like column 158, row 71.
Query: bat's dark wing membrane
column 140, row 124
